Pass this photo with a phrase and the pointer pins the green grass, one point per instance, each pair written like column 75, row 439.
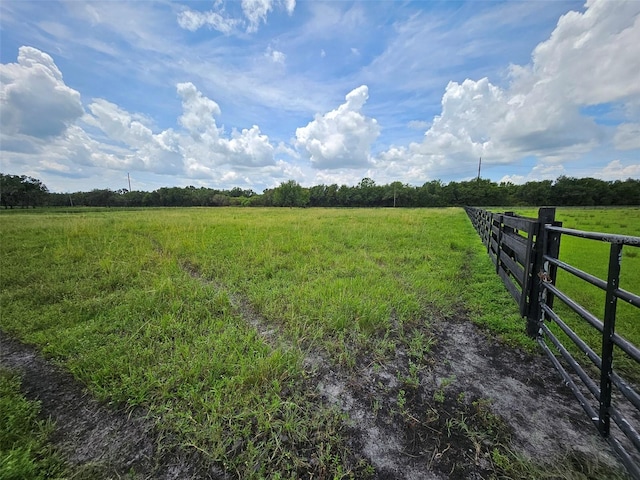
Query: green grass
column 334, row 279
column 107, row 294
column 95, row 293
column 25, row 451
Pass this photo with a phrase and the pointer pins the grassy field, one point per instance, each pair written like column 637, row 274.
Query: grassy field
column 138, row 305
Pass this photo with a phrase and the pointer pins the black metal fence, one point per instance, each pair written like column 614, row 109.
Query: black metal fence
column 526, row 252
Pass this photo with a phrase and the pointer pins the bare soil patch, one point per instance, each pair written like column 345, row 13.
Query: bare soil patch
column 474, row 396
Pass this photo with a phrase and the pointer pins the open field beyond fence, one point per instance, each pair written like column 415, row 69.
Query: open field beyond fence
column 208, row 318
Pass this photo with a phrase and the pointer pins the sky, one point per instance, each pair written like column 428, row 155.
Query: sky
column 254, row 93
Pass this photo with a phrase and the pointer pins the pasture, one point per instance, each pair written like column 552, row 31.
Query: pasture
column 218, row 322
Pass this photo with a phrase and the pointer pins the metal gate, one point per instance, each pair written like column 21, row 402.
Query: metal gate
column 526, row 252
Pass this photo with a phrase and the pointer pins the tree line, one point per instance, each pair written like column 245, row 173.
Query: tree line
column 23, row 191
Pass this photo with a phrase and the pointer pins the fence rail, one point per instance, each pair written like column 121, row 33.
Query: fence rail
column 525, row 252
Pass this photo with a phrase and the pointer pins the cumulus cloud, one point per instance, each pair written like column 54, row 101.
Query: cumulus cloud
column 591, row 58
column 41, row 114
column 540, row 172
column 254, row 11
column 199, row 147
column 342, row 137
column 205, row 142
column 616, row 170
column 627, row 136
column 35, row 100
column 198, row 111
column 118, row 124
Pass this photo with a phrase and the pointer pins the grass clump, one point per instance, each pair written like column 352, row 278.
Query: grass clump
column 25, row 451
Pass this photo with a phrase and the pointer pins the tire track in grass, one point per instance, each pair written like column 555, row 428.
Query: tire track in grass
column 375, row 437
column 98, row 441
column 472, row 396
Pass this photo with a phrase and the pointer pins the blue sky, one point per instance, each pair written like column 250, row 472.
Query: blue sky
column 254, row 93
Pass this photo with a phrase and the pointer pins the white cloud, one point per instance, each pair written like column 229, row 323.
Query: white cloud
column 615, row 170
column 627, row 136
column 290, row 5
column 118, row 124
column 109, row 137
column 275, row 56
column 198, row 111
column 538, row 113
column 340, row 177
column 250, row 148
column 418, row 125
column 592, row 57
column 34, row 98
column 255, row 12
column 540, row 172
column 342, row 137
column 205, row 144
column 193, row 20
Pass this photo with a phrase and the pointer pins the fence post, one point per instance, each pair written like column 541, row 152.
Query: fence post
column 489, row 229
column 499, row 217
column 551, row 248
column 546, row 215
column 615, row 258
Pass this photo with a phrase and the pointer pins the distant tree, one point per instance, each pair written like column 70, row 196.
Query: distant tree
column 346, row 196
column 370, row 194
column 397, row 194
column 219, row 200
column 625, row 192
column 11, row 189
column 22, row 191
column 430, row 194
column 535, row 193
column 318, row 196
column 290, row 194
column 569, row 191
column 238, row 192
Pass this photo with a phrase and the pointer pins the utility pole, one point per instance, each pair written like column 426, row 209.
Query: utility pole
column 479, row 165
column 129, row 179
